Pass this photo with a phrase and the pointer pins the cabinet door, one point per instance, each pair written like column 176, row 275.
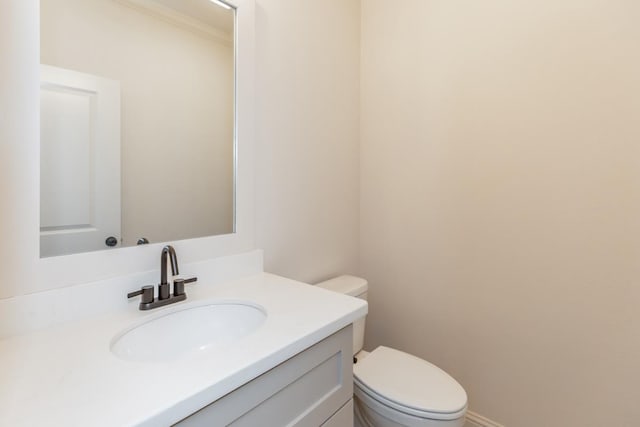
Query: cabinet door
column 342, row 418
column 305, row 390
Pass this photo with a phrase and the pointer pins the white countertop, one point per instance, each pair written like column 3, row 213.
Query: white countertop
column 67, row 376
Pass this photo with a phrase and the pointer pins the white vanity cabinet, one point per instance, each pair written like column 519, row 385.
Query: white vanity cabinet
column 296, row 369
column 313, row 388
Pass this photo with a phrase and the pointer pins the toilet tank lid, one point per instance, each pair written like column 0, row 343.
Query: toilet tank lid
column 346, row 284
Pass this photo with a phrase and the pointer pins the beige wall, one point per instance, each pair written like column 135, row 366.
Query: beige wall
column 177, row 143
column 501, row 200
column 307, row 71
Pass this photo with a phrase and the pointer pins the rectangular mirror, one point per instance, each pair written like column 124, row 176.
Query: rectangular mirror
column 138, row 122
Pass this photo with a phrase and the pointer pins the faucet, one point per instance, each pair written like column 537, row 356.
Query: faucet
column 163, row 287
column 147, row 302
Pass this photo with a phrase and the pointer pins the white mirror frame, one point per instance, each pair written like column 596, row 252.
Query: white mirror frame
column 24, row 271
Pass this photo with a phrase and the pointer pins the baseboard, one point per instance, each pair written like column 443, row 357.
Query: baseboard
column 474, row 419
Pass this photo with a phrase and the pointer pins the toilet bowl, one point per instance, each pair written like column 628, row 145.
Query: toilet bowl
column 393, row 388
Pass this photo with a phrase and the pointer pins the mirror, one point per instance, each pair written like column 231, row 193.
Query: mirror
column 137, row 122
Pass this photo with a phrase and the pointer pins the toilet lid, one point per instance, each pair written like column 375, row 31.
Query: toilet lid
column 410, row 384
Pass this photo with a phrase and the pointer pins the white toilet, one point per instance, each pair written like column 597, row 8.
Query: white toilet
column 393, row 388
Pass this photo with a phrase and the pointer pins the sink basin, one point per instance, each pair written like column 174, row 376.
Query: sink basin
column 176, row 334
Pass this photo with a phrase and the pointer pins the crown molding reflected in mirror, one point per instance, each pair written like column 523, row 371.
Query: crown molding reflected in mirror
column 27, row 273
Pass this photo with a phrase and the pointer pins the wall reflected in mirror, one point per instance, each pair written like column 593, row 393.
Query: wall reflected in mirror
column 137, row 122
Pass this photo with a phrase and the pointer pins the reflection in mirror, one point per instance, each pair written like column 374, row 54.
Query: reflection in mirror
column 137, row 122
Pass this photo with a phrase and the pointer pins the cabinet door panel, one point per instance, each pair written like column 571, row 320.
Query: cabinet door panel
column 342, row 418
column 305, row 390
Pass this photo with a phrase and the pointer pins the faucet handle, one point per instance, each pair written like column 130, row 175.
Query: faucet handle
column 146, row 292
column 178, row 285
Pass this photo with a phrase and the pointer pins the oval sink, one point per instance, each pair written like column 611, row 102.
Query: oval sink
column 193, row 329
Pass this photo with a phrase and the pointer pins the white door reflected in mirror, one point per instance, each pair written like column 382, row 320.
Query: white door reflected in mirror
column 79, row 161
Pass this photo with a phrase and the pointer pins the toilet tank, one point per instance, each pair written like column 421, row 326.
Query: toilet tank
column 355, row 287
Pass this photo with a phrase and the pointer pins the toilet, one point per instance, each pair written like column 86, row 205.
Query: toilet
column 393, row 388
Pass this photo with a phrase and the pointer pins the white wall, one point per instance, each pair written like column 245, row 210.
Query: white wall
column 19, row 144
column 501, row 200
column 177, row 112
column 307, row 113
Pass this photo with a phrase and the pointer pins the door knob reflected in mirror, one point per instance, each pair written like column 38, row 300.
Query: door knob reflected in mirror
column 111, row 241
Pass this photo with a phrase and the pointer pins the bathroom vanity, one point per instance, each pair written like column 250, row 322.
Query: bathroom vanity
column 295, row 368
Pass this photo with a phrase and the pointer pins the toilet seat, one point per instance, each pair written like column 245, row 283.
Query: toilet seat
column 410, row 385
